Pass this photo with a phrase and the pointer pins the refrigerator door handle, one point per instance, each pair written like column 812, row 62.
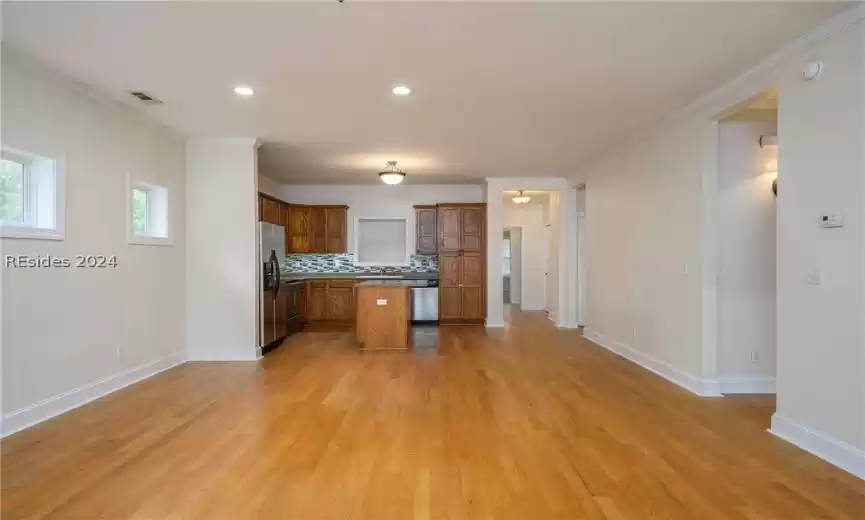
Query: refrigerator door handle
column 275, row 274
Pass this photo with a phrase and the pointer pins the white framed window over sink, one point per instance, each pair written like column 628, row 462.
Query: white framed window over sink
column 32, row 195
column 147, row 213
column 382, row 241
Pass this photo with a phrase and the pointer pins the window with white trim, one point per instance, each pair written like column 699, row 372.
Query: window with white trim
column 147, row 214
column 31, row 196
column 381, row 241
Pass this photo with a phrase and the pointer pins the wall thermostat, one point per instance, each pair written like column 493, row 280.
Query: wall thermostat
column 831, row 220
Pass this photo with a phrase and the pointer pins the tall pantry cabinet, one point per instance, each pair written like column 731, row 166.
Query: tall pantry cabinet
column 462, row 263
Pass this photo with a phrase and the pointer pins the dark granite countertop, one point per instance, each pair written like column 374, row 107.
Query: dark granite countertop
column 363, row 276
column 398, row 283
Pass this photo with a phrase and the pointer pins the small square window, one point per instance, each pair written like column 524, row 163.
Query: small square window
column 139, row 211
column 147, row 214
column 12, row 192
column 31, row 196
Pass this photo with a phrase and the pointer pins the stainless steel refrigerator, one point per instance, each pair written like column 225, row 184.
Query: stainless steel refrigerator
column 273, row 301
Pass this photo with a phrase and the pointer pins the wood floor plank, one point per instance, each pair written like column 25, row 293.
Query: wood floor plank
column 525, row 422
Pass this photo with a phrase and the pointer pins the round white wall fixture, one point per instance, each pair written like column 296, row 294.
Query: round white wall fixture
column 812, row 70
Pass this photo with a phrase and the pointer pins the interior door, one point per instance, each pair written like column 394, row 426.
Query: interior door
column 449, row 229
column 472, row 230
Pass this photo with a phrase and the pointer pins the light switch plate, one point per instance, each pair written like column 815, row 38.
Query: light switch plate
column 831, row 220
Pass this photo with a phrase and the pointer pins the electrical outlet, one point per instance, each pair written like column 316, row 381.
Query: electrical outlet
column 813, row 277
column 755, row 356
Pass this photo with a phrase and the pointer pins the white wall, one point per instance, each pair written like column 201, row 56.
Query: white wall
column 222, row 246
column 381, row 200
column 529, row 217
column 70, row 335
column 821, row 331
column 746, row 257
column 269, row 186
column 650, row 233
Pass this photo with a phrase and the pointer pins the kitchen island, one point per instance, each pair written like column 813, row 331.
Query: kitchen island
column 384, row 314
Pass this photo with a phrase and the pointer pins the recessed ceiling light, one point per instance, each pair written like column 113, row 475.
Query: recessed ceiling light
column 244, row 91
column 401, row 90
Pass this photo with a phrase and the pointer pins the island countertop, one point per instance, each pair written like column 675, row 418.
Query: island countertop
column 392, row 283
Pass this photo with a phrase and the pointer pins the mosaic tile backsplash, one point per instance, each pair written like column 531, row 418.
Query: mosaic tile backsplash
column 344, row 263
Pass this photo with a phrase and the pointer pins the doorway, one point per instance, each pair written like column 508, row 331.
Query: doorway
column 747, row 247
column 581, row 256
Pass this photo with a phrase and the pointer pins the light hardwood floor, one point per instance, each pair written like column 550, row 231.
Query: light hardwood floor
column 527, row 422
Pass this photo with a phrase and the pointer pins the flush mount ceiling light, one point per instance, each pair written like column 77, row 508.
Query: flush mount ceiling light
column 244, row 91
column 392, row 175
column 521, row 199
column 401, row 90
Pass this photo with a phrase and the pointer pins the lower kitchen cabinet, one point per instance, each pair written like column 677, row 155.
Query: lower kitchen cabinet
column 317, row 301
column 461, row 288
column 331, row 301
column 341, row 303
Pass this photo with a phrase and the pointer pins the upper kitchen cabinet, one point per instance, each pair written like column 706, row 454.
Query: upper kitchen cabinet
column 336, row 229
column 461, row 228
column 286, row 222
column 270, row 210
column 318, row 229
column 472, row 229
column 449, row 229
column 426, row 219
column 299, row 223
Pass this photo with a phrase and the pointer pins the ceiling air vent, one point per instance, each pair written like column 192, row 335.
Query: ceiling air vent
column 147, row 98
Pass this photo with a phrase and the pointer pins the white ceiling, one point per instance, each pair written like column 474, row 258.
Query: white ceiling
column 500, row 89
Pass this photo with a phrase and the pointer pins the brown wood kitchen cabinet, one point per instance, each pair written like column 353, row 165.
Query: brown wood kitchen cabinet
column 331, row 301
column 270, row 210
column 318, row 229
column 336, row 229
column 341, row 294
column 298, row 221
column 462, row 263
column 308, row 229
column 426, row 223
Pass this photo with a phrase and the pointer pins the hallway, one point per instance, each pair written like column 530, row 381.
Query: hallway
column 517, row 423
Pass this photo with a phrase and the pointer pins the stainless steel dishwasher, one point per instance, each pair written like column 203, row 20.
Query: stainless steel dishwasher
column 425, row 302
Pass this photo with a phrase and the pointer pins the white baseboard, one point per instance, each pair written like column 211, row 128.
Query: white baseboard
column 701, row 387
column 834, row 451
column 53, row 406
column 747, row 385
column 492, row 325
